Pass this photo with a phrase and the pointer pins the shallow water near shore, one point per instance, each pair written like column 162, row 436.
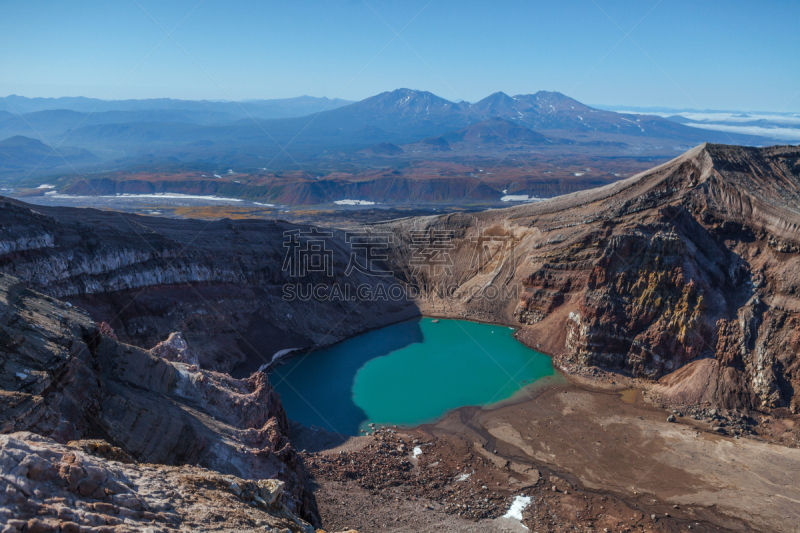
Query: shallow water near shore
column 407, row 374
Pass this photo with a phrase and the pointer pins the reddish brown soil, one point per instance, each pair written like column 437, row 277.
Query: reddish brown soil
column 590, row 459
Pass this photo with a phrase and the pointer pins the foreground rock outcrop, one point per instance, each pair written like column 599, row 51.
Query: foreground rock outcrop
column 89, row 486
column 62, row 378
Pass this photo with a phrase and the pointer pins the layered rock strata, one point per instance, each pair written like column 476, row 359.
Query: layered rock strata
column 63, row 379
column 697, row 260
column 222, row 284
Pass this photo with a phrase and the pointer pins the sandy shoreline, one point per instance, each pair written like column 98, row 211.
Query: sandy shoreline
column 598, row 437
column 608, row 448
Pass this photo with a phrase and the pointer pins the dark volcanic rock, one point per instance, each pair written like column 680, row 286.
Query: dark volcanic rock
column 221, row 284
column 62, row 378
column 52, row 487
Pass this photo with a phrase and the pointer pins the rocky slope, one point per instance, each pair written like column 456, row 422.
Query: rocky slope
column 66, row 378
column 684, row 276
column 92, row 486
column 686, row 273
column 221, row 284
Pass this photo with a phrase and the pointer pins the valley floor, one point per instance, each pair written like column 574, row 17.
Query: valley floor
column 606, row 460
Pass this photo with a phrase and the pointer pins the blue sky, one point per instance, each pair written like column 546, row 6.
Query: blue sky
column 682, row 54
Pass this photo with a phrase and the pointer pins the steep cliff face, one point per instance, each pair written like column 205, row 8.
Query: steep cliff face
column 62, row 378
column 695, row 260
column 219, row 283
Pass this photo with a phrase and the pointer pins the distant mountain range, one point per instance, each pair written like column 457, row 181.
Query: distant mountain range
column 18, row 153
column 254, row 134
column 497, row 130
column 192, row 109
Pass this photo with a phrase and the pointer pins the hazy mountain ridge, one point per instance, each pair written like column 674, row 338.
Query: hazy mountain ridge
column 210, row 133
column 404, row 115
column 496, row 130
column 783, row 126
column 274, row 108
column 19, row 153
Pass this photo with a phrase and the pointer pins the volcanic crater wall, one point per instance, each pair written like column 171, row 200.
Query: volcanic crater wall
column 219, row 283
column 691, row 265
column 694, row 261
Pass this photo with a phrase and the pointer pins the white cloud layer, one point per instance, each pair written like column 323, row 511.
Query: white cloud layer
column 782, row 134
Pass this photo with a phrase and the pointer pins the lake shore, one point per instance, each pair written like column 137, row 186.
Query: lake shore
column 607, row 453
column 408, row 373
column 599, row 445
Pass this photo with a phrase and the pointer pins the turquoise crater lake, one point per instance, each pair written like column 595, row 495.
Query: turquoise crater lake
column 407, row 374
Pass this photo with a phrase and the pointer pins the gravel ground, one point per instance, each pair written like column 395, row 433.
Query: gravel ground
column 589, row 460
